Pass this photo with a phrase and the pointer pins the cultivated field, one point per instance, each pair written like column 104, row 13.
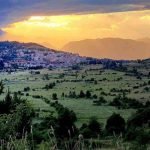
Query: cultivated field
column 31, row 85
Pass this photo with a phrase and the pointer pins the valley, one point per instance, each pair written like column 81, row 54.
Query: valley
column 56, row 101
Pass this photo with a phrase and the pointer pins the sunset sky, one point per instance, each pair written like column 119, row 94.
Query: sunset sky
column 57, row 22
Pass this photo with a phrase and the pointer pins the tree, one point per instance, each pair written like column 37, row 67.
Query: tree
column 139, row 118
column 54, row 96
column 92, row 129
column 72, row 94
column 23, row 118
column 16, row 117
column 7, row 126
column 115, row 124
column 66, row 127
column 143, row 137
column 102, row 99
column 8, row 101
column 94, row 126
column 1, row 87
column 88, row 94
column 49, row 86
column 6, row 104
column 81, row 95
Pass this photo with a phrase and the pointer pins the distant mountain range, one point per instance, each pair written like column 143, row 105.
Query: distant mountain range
column 113, row 48
column 145, row 40
column 31, row 55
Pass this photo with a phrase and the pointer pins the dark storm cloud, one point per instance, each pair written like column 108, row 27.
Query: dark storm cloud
column 16, row 10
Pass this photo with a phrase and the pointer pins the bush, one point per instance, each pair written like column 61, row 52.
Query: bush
column 72, row 94
column 125, row 102
column 1, row 87
column 143, row 137
column 94, row 96
column 88, row 94
column 66, row 127
column 82, row 94
column 115, row 124
column 139, row 135
column 92, row 129
column 27, row 94
column 36, row 96
column 94, row 126
column 54, row 96
column 50, row 86
column 140, row 118
column 26, row 89
column 100, row 101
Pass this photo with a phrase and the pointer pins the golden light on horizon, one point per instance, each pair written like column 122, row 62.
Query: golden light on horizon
column 59, row 30
column 45, row 21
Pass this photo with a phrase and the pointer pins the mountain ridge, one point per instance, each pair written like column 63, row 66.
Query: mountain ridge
column 113, row 48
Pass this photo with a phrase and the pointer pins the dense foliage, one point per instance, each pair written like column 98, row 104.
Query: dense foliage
column 15, row 116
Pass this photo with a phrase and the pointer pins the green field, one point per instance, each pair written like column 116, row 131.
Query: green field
column 89, row 77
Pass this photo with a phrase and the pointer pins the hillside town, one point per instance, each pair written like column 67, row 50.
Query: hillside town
column 17, row 55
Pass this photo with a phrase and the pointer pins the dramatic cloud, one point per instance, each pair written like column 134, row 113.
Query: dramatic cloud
column 17, row 10
column 58, row 30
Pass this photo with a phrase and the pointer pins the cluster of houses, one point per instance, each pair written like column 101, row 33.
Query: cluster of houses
column 24, row 57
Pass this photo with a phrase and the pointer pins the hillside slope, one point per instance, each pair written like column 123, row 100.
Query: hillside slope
column 31, row 55
column 114, row 48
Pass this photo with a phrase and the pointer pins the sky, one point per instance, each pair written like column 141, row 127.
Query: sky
column 54, row 23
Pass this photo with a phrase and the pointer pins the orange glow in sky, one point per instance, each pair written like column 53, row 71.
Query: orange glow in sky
column 59, row 30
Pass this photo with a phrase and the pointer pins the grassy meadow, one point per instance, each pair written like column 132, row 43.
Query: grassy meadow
column 93, row 78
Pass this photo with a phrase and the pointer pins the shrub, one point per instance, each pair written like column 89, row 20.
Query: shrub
column 54, row 96
column 88, row 94
column 82, row 94
column 139, row 118
column 26, row 89
column 92, row 129
column 115, row 124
